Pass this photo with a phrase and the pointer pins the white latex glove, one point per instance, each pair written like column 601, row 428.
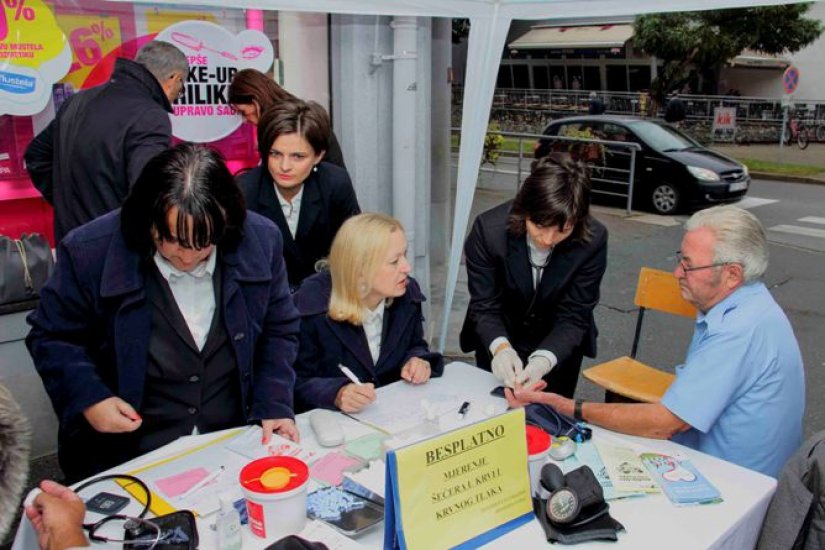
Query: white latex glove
column 536, row 368
column 507, row 366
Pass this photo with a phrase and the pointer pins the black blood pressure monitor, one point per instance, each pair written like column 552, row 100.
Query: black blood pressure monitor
column 563, row 506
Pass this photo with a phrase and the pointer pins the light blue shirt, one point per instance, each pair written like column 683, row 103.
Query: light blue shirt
column 742, row 387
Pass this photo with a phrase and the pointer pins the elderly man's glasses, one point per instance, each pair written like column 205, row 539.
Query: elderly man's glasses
column 680, row 259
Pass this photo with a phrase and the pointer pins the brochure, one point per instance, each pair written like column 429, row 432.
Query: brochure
column 680, row 480
column 625, row 469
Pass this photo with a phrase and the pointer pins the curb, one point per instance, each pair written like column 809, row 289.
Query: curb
column 788, row 177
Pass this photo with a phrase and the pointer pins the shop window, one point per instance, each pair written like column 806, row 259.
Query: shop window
column 639, row 77
column 505, row 77
column 592, row 78
column 541, row 78
column 617, row 78
column 521, row 76
column 97, row 33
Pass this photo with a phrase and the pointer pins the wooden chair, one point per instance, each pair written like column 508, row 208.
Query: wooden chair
column 626, row 379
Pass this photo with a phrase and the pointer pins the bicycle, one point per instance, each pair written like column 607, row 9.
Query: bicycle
column 820, row 131
column 797, row 130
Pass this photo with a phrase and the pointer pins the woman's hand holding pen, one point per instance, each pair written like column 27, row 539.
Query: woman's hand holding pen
column 354, row 397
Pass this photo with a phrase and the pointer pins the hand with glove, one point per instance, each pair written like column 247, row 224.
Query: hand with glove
column 507, row 365
column 537, row 367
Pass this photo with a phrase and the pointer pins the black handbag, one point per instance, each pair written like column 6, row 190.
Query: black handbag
column 25, row 266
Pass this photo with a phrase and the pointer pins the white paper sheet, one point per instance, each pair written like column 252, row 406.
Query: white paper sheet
column 399, row 406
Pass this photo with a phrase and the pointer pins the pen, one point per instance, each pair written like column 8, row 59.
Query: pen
column 464, row 408
column 203, row 483
column 351, row 375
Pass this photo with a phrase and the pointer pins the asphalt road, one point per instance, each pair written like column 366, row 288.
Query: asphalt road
column 794, row 217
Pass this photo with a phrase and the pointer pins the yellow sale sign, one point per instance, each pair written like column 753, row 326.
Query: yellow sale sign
column 92, row 38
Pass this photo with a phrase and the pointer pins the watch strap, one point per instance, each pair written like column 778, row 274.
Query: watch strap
column 577, row 410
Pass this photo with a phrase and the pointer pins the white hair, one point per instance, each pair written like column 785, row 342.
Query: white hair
column 163, row 60
column 740, row 238
column 14, row 457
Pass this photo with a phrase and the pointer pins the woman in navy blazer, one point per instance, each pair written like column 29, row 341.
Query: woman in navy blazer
column 534, row 268
column 363, row 314
column 306, row 198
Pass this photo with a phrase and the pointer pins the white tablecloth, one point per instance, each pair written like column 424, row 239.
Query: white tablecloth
column 650, row 522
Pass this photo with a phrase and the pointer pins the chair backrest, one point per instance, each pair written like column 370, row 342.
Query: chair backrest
column 659, row 290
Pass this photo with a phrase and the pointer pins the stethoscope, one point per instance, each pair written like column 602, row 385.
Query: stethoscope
column 92, row 528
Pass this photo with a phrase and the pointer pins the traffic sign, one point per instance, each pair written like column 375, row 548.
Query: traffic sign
column 790, row 79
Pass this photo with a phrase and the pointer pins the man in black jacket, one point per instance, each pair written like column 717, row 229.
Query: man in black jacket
column 86, row 160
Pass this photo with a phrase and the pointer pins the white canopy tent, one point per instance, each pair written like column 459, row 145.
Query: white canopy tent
column 490, row 21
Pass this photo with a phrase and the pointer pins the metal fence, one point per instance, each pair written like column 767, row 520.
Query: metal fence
column 748, row 109
column 615, row 181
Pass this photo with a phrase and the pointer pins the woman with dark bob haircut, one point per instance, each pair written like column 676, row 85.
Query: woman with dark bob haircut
column 169, row 317
column 534, row 267
column 306, row 197
column 252, row 93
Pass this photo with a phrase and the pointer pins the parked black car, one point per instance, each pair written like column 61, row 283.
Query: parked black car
column 673, row 171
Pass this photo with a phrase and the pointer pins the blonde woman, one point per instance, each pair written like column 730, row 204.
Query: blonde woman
column 364, row 314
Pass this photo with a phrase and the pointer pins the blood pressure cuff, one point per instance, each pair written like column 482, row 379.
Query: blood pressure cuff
column 178, row 531
column 556, row 424
column 593, row 521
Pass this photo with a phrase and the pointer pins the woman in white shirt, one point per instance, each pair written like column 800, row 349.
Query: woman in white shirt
column 363, row 314
column 306, row 197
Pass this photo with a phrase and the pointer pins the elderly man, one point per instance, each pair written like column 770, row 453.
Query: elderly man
column 86, row 160
column 740, row 395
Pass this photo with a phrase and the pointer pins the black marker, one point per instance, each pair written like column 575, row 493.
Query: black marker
column 464, row 408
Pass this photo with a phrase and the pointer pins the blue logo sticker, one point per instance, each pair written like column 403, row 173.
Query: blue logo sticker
column 16, row 83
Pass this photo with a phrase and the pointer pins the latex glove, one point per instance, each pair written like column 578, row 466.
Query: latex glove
column 537, row 367
column 507, row 366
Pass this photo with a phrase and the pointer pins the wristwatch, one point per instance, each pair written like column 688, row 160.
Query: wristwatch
column 577, row 410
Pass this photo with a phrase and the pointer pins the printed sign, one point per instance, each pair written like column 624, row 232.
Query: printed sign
column 724, row 118
column 34, row 55
column 467, row 486
column 203, row 113
column 91, row 38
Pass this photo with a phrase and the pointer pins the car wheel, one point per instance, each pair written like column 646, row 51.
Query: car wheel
column 666, row 199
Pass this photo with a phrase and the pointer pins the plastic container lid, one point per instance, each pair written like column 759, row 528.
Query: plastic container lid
column 538, row 441
column 274, row 474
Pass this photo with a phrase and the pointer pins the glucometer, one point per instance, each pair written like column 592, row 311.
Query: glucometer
column 107, row 503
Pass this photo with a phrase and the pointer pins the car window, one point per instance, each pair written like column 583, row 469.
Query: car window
column 662, row 138
column 569, row 129
column 614, row 132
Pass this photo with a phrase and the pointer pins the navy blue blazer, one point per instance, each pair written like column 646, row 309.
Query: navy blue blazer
column 90, row 333
column 325, row 344
column 327, row 202
column 558, row 317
